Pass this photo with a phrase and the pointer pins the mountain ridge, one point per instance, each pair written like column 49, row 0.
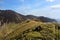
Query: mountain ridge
column 7, row 16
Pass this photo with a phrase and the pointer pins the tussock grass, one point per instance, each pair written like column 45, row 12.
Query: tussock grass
column 25, row 30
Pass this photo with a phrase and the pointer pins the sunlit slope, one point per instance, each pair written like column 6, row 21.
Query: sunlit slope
column 31, row 25
column 22, row 28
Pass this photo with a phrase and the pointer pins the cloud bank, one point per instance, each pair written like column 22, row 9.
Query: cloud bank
column 57, row 6
column 50, row 0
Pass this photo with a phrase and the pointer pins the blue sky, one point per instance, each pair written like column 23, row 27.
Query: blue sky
column 47, row 8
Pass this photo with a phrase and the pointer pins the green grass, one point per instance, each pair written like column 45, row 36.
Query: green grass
column 14, row 31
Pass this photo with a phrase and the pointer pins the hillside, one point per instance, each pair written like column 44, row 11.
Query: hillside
column 31, row 30
column 41, row 18
column 15, row 26
column 7, row 16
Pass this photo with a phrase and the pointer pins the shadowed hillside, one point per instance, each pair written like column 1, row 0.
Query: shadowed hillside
column 7, row 16
column 41, row 18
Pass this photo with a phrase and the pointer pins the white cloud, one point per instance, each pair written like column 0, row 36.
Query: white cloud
column 55, row 6
column 50, row 0
column 45, row 11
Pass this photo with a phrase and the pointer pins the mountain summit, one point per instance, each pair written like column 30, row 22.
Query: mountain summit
column 7, row 16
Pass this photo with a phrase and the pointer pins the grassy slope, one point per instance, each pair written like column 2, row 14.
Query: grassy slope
column 22, row 28
column 17, row 29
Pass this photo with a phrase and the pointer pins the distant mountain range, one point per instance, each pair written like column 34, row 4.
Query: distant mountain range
column 41, row 18
column 7, row 16
column 58, row 20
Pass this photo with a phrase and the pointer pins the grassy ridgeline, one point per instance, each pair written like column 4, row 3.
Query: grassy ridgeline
column 30, row 30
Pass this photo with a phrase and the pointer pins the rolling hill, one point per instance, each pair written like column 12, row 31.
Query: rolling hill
column 16, row 26
column 32, row 29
